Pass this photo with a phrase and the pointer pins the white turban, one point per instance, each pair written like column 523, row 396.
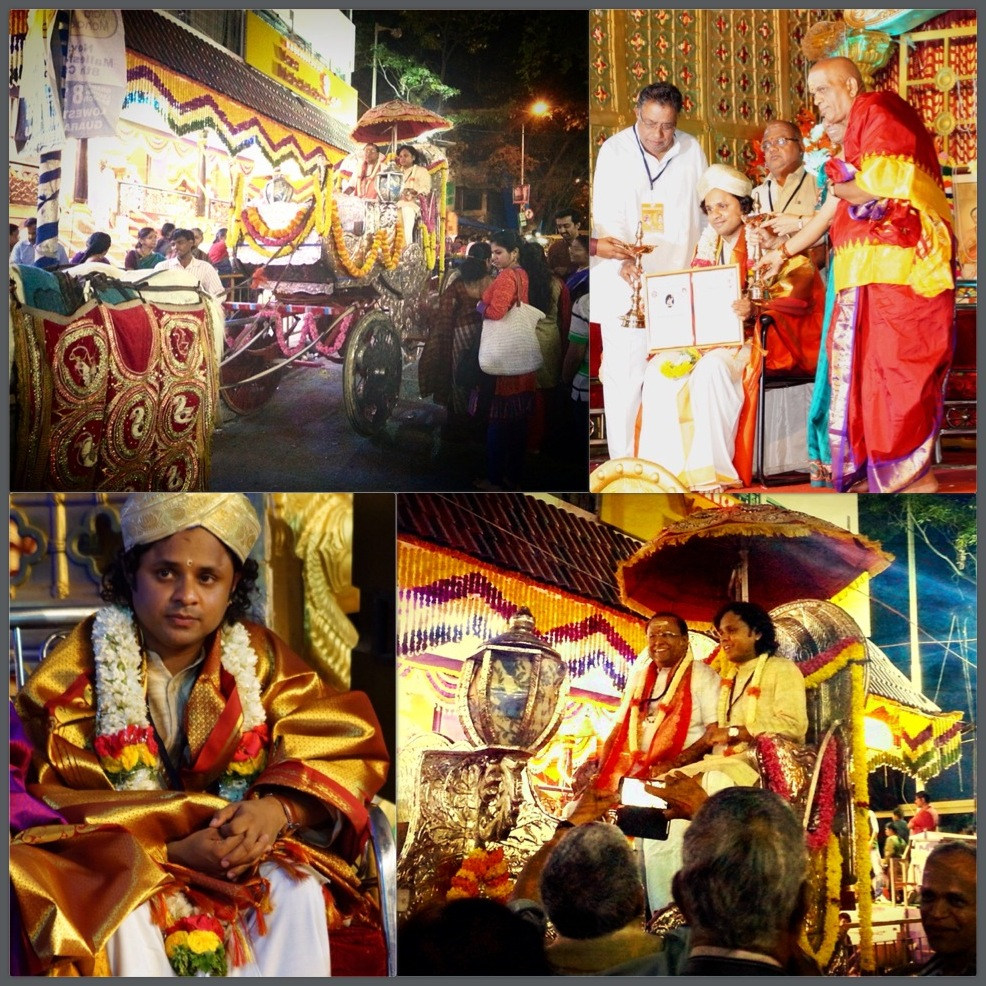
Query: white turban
column 149, row 517
column 725, row 178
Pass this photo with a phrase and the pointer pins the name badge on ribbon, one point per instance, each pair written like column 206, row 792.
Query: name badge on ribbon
column 652, row 218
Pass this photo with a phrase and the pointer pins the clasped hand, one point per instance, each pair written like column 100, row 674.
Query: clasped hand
column 237, row 837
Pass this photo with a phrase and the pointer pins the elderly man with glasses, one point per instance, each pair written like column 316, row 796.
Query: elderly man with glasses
column 669, row 702
column 788, row 189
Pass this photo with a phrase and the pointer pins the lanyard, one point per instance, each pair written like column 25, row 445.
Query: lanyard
column 733, row 701
column 770, row 197
column 667, row 685
column 643, row 157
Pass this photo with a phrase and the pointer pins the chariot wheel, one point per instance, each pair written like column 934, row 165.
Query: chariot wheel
column 371, row 376
column 242, row 398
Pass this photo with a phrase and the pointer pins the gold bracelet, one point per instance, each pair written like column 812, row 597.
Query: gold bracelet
column 785, row 252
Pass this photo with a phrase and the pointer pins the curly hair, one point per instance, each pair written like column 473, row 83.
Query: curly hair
column 757, row 619
column 416, row 155
column 121, row 574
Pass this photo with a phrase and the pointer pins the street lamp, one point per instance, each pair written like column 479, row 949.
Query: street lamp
column 377, row 28
column 538, row 108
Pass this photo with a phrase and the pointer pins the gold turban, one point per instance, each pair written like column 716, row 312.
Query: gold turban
column 149, row 517
column 723, row 177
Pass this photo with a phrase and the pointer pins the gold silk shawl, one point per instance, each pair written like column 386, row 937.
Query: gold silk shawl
column 324, row 745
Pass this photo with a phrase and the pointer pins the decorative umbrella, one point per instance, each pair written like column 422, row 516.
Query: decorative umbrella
column 397, row 120
column 760, row 552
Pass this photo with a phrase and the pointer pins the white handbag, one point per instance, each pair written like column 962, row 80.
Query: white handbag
column 509, row 346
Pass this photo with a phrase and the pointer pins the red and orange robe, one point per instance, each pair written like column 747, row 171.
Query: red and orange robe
column 890, row 338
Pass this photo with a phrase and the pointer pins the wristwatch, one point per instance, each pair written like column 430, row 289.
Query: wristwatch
column 733, row 733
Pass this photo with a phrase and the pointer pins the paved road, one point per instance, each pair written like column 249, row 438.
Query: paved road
column 301, row 440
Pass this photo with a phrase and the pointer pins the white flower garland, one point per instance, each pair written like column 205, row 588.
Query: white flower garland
column 709, row 246
column 119, row 682
column 121, row 703
column 240, row 660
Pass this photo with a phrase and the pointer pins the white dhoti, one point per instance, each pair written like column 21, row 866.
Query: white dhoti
column 662, row 857
column 624, row 355
column 296, row 943
column 688, row 424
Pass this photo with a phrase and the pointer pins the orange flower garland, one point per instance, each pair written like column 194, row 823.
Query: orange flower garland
column 380, row 248
column 483, row 874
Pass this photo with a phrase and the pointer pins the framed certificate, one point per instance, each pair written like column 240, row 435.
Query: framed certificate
column 693, row 307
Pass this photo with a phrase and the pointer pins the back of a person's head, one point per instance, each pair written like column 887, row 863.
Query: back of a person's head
column 589, row 884
column 470, row 937
column 743, row 865
column 473, row 269
column 479, row 249
column 98, row 242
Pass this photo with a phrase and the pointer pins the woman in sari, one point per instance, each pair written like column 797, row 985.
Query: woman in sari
column 143, row 256
column 578, row 281
column 519, row 278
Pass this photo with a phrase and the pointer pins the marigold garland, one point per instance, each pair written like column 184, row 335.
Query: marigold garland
column 831, row 661
column 388, row 252
column 861, row 804
column 483, row 874
column 830, row 919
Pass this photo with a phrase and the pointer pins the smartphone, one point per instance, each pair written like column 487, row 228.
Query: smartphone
column 642, row 823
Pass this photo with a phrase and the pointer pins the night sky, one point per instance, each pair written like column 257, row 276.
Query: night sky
column 948, row 680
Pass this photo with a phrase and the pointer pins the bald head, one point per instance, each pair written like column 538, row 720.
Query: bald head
column 834, row 84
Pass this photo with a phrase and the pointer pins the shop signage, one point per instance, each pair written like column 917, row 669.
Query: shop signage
column 292, row 66
column 95, row 74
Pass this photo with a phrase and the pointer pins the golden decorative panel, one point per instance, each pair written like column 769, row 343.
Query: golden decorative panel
column 736, row 69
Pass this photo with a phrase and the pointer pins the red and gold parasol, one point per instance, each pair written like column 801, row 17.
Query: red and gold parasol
column 761, row 552
column 397, row 120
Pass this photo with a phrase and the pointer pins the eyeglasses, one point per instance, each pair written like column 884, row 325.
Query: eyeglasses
column 652, row 125
column 778, row 142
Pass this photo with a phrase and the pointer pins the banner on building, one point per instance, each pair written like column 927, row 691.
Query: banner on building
column 39, row 122
column 95, row 74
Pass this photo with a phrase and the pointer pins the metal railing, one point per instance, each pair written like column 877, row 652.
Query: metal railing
column 53, row 618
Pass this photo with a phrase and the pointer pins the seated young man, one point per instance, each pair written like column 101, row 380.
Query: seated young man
column 212, row 770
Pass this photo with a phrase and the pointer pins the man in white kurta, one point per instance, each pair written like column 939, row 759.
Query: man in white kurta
column 766, row 695
column 646, row 174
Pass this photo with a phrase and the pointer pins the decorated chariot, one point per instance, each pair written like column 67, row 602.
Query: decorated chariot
column 336, row 277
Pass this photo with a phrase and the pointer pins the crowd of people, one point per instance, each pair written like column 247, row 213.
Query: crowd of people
column 516, row 415
column 871, row 223
column 162, row 249
column 721, row 887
